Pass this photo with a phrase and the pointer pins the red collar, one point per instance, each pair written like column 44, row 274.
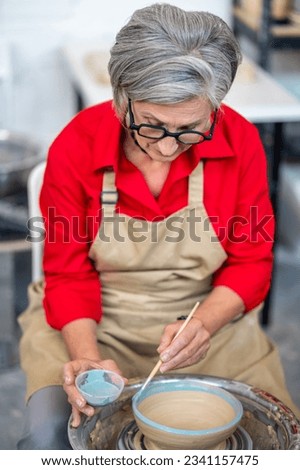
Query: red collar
column 107, row 147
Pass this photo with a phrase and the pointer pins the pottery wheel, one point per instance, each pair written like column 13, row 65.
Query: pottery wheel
column 268, row 422
column 131, row 438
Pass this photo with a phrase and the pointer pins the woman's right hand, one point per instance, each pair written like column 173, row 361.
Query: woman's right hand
column 70, row 371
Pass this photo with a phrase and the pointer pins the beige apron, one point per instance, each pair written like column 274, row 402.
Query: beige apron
column 151, row 273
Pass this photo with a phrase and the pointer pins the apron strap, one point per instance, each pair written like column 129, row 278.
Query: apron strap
column 196, row 185
column 109, row 193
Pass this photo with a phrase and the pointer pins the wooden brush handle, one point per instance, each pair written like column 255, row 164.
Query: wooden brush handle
column 159, row 363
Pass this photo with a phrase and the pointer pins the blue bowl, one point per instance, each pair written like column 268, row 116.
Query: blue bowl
column 99, row 387
column 186, row 414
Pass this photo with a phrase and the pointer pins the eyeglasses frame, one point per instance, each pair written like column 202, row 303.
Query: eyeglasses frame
column 176, row 135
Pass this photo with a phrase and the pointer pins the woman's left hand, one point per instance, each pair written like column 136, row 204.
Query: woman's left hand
column 70, row 371
column 187, row 349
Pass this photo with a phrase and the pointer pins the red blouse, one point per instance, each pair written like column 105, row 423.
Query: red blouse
column 236, row 197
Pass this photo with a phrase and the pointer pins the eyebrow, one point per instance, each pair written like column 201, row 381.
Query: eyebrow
column 163, row 124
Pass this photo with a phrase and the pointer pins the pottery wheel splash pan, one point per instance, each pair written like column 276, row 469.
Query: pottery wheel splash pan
column 267, row 424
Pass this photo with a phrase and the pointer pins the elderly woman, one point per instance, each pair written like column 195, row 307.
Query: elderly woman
column 152, row 202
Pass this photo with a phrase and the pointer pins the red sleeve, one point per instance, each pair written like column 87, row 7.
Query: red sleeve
column 250, row 232
column 72, row 287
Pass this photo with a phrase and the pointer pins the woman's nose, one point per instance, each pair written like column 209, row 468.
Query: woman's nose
column 167, row 146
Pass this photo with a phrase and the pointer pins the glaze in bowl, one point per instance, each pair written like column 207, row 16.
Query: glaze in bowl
column 99, row 387
column 186, row 415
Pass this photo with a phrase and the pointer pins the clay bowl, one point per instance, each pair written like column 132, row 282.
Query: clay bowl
column 99, row 387
column 186, row 415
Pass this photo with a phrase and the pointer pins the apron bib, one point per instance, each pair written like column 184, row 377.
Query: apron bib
column 150, row 274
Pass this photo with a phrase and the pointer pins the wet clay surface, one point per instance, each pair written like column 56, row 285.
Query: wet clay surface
column 187, row 410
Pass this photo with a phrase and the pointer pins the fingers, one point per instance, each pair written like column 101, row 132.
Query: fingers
column 168, row 336
column 76, row 414
column 79, row 404
column 188, row 348
column 73, row 368
column 70, row 371
column 183, row 359
column 76, row 417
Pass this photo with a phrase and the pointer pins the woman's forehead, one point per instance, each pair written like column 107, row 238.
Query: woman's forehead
column 186, row 112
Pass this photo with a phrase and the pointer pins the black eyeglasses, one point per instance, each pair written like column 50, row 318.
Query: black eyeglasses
column 157, row 132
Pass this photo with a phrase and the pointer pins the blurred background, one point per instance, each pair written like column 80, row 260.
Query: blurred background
column 53, row 59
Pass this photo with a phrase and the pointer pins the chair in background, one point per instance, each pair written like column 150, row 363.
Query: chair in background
column 34, row 185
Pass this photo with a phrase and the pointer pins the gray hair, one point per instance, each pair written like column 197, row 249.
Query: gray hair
column 167, row 55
